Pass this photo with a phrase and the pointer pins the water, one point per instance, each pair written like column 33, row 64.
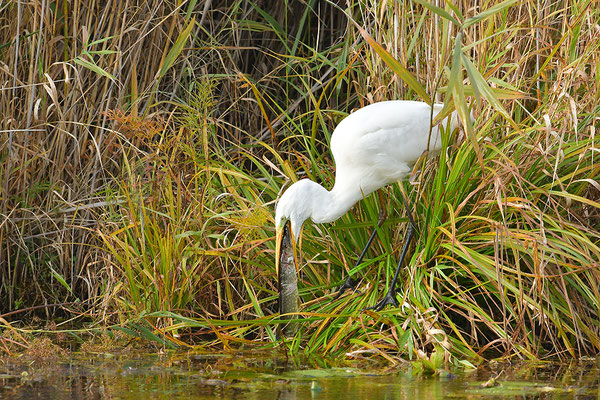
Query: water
column 271, row 376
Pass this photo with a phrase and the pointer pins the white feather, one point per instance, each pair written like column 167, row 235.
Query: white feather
column 372, row 147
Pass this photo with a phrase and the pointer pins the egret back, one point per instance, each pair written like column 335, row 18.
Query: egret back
column 378, row 144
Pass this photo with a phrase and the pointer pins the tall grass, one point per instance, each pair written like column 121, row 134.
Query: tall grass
column 144, row 147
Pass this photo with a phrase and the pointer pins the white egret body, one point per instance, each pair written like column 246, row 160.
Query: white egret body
column 372, row 147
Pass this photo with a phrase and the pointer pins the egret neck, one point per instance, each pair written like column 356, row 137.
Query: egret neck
column 307, row 199
column 331, row 205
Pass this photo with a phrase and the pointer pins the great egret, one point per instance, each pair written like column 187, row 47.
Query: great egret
column 372, row 147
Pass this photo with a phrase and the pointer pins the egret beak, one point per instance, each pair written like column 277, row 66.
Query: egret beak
column 278, row 240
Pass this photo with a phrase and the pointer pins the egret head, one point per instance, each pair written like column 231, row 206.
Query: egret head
column 293, row 208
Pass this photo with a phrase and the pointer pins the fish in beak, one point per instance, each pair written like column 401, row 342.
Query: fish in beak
column 285, row 247
column 287, row 273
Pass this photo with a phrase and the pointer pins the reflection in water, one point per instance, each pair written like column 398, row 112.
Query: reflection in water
column 269, row 376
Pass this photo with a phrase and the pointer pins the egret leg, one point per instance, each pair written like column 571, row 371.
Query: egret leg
column 351, row 283
column 390, row 297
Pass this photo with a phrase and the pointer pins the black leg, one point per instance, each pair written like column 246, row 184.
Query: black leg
column 390, row 297
column 350, row 283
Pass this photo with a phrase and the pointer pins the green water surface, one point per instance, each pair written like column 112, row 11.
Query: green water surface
column 244, row 375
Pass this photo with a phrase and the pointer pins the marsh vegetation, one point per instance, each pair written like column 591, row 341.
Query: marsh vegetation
column 143, row 146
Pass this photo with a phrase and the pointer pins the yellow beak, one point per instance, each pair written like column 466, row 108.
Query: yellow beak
column 278, row 240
